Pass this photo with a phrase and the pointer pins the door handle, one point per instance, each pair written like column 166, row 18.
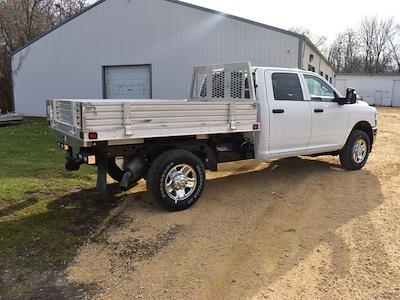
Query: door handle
column 318, row 110
column 278, row 111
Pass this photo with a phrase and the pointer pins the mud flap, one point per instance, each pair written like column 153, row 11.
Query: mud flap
column 102, row 169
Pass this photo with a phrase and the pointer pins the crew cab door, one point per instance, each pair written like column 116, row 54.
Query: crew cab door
column 329, row 119
column 289, row 114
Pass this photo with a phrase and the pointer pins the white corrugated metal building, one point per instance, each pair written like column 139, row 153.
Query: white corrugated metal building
column 145, row 49
column 376, row 89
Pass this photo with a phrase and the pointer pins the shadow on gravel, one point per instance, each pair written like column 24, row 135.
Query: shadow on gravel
column 36, row 257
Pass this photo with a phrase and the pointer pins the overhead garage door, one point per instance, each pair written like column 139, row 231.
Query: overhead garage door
column 127, row 82
column 396, row 93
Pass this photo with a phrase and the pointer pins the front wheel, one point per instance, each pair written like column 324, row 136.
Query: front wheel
column 176, row 179
column 355, row 153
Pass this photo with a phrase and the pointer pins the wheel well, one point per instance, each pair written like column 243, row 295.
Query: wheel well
column 366, row 127
column 201, row 149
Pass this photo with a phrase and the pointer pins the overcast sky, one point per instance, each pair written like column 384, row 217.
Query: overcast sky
column 321, row 17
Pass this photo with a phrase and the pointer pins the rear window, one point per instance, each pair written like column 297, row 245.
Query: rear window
column 287, row 87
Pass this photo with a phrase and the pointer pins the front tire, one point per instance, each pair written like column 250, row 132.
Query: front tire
column 355, row 153
column 176, row 179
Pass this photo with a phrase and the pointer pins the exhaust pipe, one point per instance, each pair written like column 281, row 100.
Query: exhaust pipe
column 134, row 170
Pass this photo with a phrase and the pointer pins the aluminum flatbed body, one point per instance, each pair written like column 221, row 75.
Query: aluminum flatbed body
column 222, row 101
column 129, row 121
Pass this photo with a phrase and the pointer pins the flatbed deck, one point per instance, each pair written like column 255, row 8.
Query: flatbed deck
column 119, row 120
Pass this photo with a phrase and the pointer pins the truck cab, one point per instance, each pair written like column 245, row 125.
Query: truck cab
column 301, row 113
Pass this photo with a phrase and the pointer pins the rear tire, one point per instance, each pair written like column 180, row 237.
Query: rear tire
column 176, row 179
column 355, row 152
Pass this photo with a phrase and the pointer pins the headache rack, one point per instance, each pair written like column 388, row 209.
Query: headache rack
column 232, row 82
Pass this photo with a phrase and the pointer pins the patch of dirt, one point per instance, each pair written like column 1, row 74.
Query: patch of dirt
column 295, row 228
column 137, row 250
column 58, row 288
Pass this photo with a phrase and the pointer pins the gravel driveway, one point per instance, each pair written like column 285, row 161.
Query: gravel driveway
column 294, row 228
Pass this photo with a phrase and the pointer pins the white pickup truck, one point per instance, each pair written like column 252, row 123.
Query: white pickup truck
column 235, row 112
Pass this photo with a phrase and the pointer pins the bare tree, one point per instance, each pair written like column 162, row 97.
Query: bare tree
column 64, row 9
column 20, row 22
column 367, row 33
column 318, row 40
column 352, row 62
column 344, row 52
column 395, row 46
column 375, row 42
column 335, row 54
column 373, row 47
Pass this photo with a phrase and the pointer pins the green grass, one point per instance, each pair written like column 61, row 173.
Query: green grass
column 45, row 212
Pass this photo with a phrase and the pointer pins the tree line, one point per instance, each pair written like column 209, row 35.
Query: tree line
column 21, row 21
column 371, row 47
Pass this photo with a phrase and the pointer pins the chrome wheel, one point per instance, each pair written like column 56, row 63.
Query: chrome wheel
column 359, row 150
column 180, row 182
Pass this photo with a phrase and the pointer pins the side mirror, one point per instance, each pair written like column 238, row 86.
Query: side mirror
column 342, row 101
column 351, row 97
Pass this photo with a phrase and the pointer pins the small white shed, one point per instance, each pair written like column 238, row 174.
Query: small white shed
column 376, row 89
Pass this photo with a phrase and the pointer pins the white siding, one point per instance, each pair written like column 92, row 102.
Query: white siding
column 379, row 90
column 317, row 62
column 396, row 93
column 341, row 85
column 172, row 38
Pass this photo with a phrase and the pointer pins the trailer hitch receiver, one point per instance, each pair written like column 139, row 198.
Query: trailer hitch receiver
column 73, row 164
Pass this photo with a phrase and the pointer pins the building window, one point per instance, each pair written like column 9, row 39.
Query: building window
column 321, row 73
column 326, row 77
column 311, row 57
column 311, row 68
column 287, row 87
column 330, row 79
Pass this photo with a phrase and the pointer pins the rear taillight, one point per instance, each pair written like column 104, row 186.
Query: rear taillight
column 92, row 135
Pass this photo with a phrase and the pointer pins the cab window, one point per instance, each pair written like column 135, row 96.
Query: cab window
column 287, row 87
column 319, row 90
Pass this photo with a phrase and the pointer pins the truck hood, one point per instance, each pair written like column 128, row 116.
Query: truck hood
column 362, row 103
